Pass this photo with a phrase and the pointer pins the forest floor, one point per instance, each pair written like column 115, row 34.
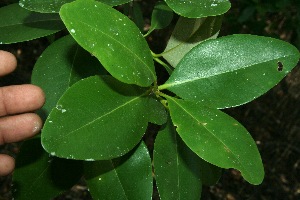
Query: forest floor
column 273, row 121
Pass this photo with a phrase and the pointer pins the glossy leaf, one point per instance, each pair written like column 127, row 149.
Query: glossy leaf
column 217, row 138
column 113, row 38
column 127, row 177
column 161, row 17
column 53, row 6
column 177, row 168
column 39, row 176
column 42, row 6
column 100, row 118
column 135, row 12
column 210, row 174
column 198, row 9
column 195, row 31
column 114, row 2
column 63, row 63
column 231, row 70
column 18, row 24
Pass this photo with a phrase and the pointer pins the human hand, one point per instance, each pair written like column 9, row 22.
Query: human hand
column 16, row 103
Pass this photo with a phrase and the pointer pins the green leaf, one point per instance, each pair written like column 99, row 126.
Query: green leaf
column 114, row 2
column 136, row 14
column 63, row 63
column 53, row 6
column 127, row 177
column 210, row 174
column 177, row 168
column 18, row 24
column 161, row 17
column 195, row 31
column 100, row 118
column 199, row 8
column 231, row 70
column 217, row 138
column 127, row 55
column 42, row 6
column 39, row 176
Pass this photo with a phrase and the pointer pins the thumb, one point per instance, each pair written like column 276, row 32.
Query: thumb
column 8, row 63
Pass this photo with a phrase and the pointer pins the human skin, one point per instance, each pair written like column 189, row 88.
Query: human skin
column 17, row 102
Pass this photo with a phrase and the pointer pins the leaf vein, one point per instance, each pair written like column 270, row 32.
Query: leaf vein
column 165, row 86
column 135, row 55
column 237, row 158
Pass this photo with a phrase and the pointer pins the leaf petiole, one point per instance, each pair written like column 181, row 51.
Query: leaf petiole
column 162, row 87
column 163, row 101
column 148, row 33
column 166, row 66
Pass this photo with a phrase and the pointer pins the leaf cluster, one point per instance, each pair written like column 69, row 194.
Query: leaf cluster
column 102, row 92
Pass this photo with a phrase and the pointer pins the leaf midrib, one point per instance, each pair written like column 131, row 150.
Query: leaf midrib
column 239, row 162
column 165, row 86
column 102, row 116
column 33, row 185
column 135, row 55
column 183, row 42
column 177, row 164
column 118, row 178
column 72, row 65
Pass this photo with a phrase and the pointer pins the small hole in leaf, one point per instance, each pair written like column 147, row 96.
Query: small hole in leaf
column 279, row 66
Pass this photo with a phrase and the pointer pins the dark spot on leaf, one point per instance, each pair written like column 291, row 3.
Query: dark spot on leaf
column 280, row 66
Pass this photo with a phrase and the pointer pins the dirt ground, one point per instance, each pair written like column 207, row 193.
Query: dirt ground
column 273, row 120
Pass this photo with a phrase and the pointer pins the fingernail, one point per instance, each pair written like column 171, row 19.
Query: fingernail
column 36, row 127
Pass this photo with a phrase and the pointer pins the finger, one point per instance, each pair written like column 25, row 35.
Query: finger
column 20, row 99
column 7, row 164
column 19, row 127
column 8, row 62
